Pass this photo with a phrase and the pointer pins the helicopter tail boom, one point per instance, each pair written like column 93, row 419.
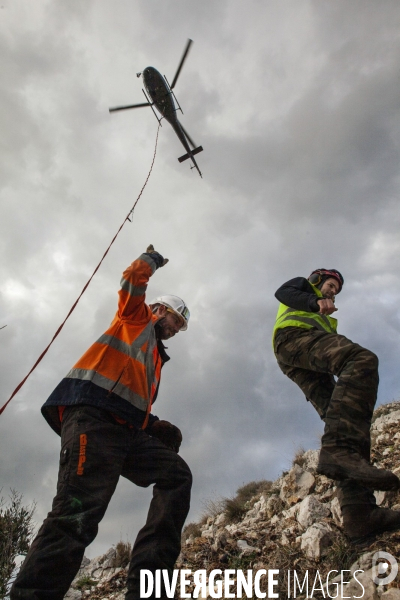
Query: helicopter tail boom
column 187, row 155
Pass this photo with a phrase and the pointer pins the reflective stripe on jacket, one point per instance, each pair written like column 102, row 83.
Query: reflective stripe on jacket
column 125, row 360
column 290, row 317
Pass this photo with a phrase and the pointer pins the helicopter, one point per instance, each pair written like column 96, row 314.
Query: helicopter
column 160, row 94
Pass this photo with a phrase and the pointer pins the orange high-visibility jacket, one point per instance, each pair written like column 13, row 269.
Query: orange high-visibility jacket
column 125, row 359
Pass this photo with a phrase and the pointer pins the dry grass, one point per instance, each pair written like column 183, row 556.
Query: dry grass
column 341, row 554
column 211, row 508
column 123, row 554
column 234, row 508
column 299, row 457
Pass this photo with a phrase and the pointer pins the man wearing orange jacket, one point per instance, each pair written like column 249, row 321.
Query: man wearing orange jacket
column 102, row 410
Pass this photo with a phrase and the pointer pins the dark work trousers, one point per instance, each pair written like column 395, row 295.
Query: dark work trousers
column 311, row 358
column 95, row 451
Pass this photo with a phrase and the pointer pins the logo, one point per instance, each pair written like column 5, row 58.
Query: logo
column 384, row 563
column 82, row 453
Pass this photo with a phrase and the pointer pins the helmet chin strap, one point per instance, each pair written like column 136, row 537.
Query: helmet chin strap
column 158, row 327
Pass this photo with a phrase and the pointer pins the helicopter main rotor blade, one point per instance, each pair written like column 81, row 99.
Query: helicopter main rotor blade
column 130, row 106
column 191, row 142
column 185, row 53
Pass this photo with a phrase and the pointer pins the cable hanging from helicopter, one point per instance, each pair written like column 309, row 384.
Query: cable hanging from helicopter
column 160, row 94
column 162, row 97
column 127, row 218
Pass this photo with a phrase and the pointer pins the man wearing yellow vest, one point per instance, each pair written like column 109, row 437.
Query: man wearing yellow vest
column 102, row 410
column 312, row 354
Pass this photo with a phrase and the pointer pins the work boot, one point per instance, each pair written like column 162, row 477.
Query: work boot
column 362, row 522
column 346, row 463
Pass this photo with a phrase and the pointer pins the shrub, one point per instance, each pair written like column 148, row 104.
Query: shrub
column 236, row 507
column 242, row 561
column 253, row 488
column 191, row 529
column 122, row 554
column 16, row 530
column 233, row 508
column 85, row 582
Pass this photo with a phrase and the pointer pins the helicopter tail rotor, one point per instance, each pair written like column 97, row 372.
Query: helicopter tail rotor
column 185, row 53
column 186, row 156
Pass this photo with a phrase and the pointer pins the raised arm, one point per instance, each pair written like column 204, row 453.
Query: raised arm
column 134, row 284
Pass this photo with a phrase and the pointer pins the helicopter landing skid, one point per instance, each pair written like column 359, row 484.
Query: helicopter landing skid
column 151, row 106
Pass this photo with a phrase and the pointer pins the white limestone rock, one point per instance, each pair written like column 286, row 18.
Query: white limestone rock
column 220, row 539
column 220, row 520
column 336, row 512
column 316, row 540
column 311, row 510
column 296, row 485
column 380, row 497
column 108, row 559
column 245, row 548
column 275, row 519
column 382, row 422
column 291, row 513
column 73, row 594
column 232, row 527
column 355, row 590
column 273, row 506
column 287, row 534
column 277, row 484
column 110, row 572
column 208, row 533
column 363, row 562
column 310, row 459
column 257, row 512
column 285, row 541
column 392, row 594
column 92, row 569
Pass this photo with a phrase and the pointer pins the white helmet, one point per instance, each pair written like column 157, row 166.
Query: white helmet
column 177, row 305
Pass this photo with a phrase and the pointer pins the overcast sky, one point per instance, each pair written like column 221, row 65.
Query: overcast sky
column 296, row 105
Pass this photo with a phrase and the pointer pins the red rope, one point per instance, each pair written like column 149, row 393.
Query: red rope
column 127, row 218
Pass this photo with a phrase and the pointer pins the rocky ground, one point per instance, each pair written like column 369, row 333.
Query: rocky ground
column 292, row 524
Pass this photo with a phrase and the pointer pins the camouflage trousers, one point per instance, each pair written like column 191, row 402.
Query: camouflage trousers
column 312, row 359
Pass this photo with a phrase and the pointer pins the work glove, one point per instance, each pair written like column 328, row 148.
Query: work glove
column 167, row 433
column 156, row 256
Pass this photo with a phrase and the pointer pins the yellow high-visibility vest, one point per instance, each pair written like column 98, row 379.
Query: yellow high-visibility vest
column 289, row 317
